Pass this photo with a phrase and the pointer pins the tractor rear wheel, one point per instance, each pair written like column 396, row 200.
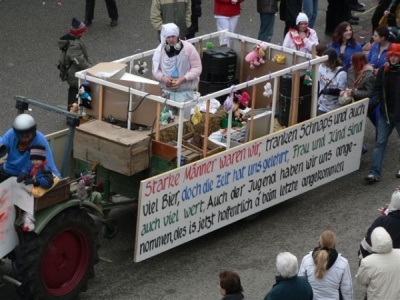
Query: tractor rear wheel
column 57, row 263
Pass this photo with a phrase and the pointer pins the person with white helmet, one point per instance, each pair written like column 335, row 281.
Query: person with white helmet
column 17, row 142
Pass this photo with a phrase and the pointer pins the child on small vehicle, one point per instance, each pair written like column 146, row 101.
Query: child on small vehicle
column 38, row 175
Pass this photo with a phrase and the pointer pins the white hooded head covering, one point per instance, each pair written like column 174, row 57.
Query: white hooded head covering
column 395, row 201
column 381, row 241
column 169, row 29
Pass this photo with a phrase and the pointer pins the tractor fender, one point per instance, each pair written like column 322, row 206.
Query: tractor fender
column 43, row 217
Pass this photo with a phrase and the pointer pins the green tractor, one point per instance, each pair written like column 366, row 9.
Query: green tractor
column 57, row 259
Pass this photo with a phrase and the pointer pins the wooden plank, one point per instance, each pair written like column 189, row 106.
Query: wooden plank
column 294, row 105
column 158, row 122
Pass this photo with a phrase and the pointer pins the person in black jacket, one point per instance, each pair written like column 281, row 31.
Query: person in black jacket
column 288, row 12
column 196, row 14
column 390, row 220
column 387, row 93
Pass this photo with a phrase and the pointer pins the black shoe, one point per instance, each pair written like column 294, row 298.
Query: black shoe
column 354, row 18
column 357, row 7
column 352, row 22
column 113, row 23
column 88, row 23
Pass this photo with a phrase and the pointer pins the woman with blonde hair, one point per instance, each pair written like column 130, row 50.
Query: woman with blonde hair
column 327, row 271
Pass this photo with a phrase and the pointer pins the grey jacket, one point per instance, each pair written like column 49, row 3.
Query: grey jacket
column 267, row 6
column 364, row 87
column 76, row 54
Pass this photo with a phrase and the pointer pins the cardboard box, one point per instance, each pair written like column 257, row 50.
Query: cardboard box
column 107, row 70
column 118, row 149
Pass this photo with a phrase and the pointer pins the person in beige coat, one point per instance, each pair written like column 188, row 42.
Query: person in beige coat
column 380, row 271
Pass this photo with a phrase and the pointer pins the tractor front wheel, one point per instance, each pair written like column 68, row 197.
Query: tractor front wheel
column 57, row 263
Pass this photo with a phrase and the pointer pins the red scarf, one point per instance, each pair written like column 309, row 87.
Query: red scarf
column 35, row 169
column 296, row 38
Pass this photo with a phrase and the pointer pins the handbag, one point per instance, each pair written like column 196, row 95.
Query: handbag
column 345, row 99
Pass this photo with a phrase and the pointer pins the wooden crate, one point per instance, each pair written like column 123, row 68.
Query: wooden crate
column 194, row 141
column 115, row 148
column 57, row 194
column 168, row 151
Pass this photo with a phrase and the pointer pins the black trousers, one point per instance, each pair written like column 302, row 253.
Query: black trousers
column 337, row 12
column 72, row 92
column 3, row 175
column 111, row 8
column 378, row 14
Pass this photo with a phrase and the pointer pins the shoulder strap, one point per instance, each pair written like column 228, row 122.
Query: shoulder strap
column 340, row 70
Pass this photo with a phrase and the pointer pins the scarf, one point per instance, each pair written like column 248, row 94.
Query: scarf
column 296, row 38
column 332, row 255
column 392, row 68
column 34, row 170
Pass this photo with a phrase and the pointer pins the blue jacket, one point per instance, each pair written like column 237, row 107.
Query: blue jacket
column 293, row 288
column 43, row 177
column 347, row 52
column 16, row 161
column 373, row 57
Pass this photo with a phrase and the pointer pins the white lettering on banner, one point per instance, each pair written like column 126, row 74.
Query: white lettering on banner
column 208, row 194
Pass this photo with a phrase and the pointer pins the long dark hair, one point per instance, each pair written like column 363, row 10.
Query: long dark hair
column 333, row 59
column 337, row 36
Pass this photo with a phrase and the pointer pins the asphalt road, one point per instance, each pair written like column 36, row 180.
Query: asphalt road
column 29, row 33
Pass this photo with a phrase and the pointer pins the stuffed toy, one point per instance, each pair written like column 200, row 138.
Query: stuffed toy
column 228, row 104
column 141, row 67
column 267, row 90
column 74, row 107
column 86, row 100
column 308, row 78
column 256, row 57
column 164, row 116
column 279, row 58
column 196, row 117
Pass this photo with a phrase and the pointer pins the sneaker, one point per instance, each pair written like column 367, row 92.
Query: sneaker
column 88, row 23
column 355, row 18
column 398, row 174
column 352, row 22
column 113, row 23
column 29, row 222
column 358, row 7
column 372, row 178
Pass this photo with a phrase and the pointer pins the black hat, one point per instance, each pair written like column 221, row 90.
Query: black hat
column 38, row 152
column 77, row 27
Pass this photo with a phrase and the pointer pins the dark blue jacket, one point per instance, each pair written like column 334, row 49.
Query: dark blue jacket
column 294, row 288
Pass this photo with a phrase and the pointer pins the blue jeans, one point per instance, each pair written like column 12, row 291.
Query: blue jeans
column 266, row 27
column 384, row 130
column 310, row 8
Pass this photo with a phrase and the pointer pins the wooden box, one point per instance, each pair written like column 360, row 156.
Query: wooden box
column 194, row 141
column 58, row 194
column 115, row 148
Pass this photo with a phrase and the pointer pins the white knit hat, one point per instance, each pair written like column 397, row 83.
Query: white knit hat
column 395, row 202
column 302, row 17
